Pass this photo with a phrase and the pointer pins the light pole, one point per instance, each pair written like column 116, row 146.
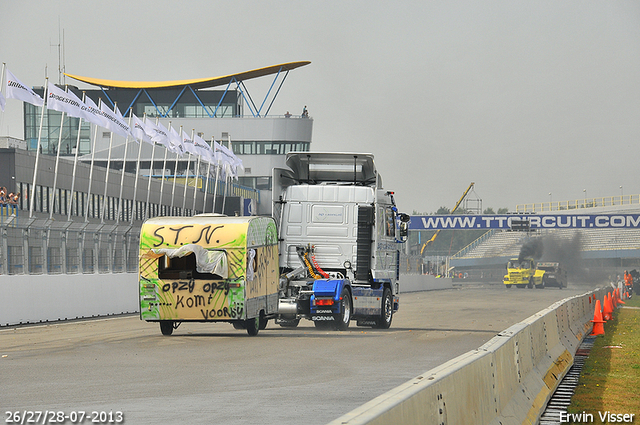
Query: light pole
column 585, row 198
column 621, row 196
column 550, row 201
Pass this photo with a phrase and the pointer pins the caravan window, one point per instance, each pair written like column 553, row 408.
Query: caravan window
column 197, row 264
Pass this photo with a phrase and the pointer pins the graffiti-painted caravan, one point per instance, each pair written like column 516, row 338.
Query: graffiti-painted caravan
column 209, row 268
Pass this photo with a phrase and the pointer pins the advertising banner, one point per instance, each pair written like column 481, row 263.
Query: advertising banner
column 525, row 221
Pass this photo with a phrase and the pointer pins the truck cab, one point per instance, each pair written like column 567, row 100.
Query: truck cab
column 523, row 273
column 555, row 274
column 340, row 235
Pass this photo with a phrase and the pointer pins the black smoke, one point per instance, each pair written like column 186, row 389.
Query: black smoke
column 532, row 248
column 567, row 252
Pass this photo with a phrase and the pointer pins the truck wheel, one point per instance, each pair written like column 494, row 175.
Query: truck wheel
column 166, row 327
column 253, row 326
column 542, row 285
column 508, row 286
column 342, row 319
column 386, row 314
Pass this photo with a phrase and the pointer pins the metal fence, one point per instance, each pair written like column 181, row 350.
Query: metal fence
column 605, row 201
column 50, row 247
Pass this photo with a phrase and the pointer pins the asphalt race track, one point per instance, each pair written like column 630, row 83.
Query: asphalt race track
column 214, row 374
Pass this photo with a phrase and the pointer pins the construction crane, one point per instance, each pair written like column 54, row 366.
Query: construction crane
column 435, row 235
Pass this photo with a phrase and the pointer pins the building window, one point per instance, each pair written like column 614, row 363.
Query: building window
column 268, row 148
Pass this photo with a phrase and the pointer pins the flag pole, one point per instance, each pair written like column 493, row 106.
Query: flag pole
column 226, row 175
column 134, row 210
column 195, row 183
column 186, row 183
column 153, row 151
column 75, row 165
column 226, row 188
column 164, row 168
column 52, row 200
column 215, row 187
column 4, row 65
column 206, row 188
column 93, row 156
column 175, row 172
column 35, row 169
column 124, row 163
column 106, row 177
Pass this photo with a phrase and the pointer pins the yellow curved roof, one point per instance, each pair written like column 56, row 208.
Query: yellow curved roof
column 198, row 83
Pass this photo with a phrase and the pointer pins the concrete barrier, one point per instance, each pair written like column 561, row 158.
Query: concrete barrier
column 423, row 282
column 44, row 298
column 508, row 380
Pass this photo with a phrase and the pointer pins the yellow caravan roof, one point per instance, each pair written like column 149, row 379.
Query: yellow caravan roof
column 198, row 83
column 209, row 231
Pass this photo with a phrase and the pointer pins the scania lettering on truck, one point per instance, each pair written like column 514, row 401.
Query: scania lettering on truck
column 340, row 235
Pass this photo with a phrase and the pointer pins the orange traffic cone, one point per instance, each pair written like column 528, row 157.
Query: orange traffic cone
column 598, row 323
column 614, row 299
column 607, row 309
column 619, row 298
column 612, row 304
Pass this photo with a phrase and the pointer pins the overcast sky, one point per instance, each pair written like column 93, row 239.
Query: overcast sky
column 522, row 98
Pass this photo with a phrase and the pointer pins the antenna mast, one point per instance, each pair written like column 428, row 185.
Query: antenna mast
column 61, row 59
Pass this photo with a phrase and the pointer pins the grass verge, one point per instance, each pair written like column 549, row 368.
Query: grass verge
column 610, row 379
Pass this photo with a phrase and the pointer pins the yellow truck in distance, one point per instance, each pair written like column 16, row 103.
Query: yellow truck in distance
column 523, row 273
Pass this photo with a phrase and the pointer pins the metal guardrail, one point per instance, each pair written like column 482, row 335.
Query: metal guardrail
column 607, row 201
column 49, row 247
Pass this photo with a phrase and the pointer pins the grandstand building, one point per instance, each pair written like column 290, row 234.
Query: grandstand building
column 89, row 220
column 590, row 253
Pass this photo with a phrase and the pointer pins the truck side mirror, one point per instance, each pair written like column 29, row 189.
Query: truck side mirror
column 404, row 231
column 404, row 227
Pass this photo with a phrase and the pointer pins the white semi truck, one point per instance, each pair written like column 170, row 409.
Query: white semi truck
column 339, row 241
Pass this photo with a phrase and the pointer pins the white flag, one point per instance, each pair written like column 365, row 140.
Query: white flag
column 228, row 161
column 189, row 146
column 138, row 130
column 176, row 142
column 94, row 114
column 203, row 147
column 3, row 101
column 67, row 102
column 235, row 162
column 114, row 121
column 16, row 90
column 217, row 152
column 158, row 133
